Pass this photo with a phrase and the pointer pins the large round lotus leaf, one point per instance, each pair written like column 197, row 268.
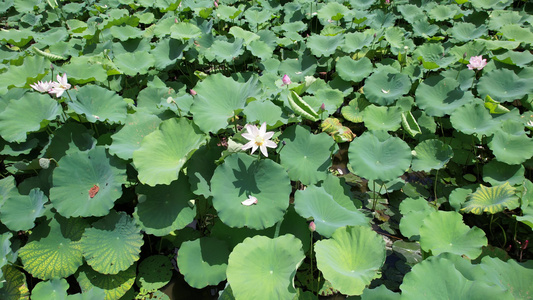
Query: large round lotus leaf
column 351, row 258
column 497, row 173
column 55, row 288
column 19, row 212
column 167, row 52
column 263, row 111
column 87, row 183
column 322, row 45
column 314, row 202
column 129, row 137
column 433, row 56
column 114, row 286
column 203, row 261
column 27, row 114
column 353, row 111
column 164, row 152
column 503, row 85
column 53, row 250
column 340, row 191
column 201, row 167
column 434, row 278
column 511, row 149
column 439, row 96
column 332, row 11
column 234, row 236
column 154, row 272
column 134, row 63
column 68, row 139
column 125, row 32
column 99, row 104
column 165, row 208
column 491, row 199
column 384, row 88
column 444, row 231
column 14, row 286
column 112, row 244
column 473, row 118
column 379, row 293
column 264, row 268
column 382, row 118
column 377, row 155
column 217, row 98
column 306, row 156
column 511, row 276
column 354, row 70
column 517, row 32
column 465, row 32
column 354, row 41
column 431, row 155
column 224, row 51
column 241, row 176
column 414, row 211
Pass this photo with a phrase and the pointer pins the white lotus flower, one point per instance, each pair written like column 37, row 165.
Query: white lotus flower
column 250, row 201
column 59, row 87
column 42, row 86
column 258, row 138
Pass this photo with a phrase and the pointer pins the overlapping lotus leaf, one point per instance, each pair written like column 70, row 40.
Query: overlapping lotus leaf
column 55, row 288
column 385, row 88
column 20, row 211
column 14, row 286
column 382, row 118
column 134, row 63
column 491, row 199
column 445, row 231
column 129, row 137
column 465, row 32
column 164, row 151
column 511, row 149
column 431, row 155
column 306, row 156
column 264, row 111
column 87, row 183
column 99, row 104
column 7, row 187
column 433, row 56
column 201, row 167
column 297, row 69
column 264, row 268
column 377, row 155
column 439, row 96
column 322, row 45
column 113, row 286
column 351, row 258
column 241, row 176
column 414, row 211
column 503, row 85
column 167, row 52
column 354, row 70
column 497, row 173
column 154, row 272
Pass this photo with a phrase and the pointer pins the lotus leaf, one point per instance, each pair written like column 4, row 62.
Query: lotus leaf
column 19, row 212
column 99, row 104
column 497, row 173
column 134, row 63
column 351, row 258
column 440, row 96
column 384, row 88
column 129, row 137
column 431, row 155
column 114, row 286
column 414, row 212
column 511, row 149
column 382, row 118
column 264, row 268
column 55, row 288
column 154, row 272
column 503, row 85
column 321, row 45
column 491, row 199
column 14, row 286
column 510, row 276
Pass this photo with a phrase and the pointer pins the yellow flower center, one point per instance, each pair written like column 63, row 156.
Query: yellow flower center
column 259, row 141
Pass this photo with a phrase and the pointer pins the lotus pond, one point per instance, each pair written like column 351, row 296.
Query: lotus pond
column 266, row 149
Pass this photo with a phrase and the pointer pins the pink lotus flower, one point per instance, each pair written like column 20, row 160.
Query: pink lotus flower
column 59, row 87
column 477, row 62
column 250, row 201
column 258, row 138
column 42, row 86
column 216, row 3
column 312, row 226
column 286, row 80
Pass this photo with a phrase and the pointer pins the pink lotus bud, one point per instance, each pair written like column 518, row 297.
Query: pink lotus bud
column 525, row 245
column 286, row 80
column 322, row 107
column 216, row 3
column 175, row 20
column 312, row 226
column 387, row 1
column 193, row 92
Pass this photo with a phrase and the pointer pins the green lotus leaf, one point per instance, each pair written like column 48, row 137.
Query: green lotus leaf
column 354, row 70
column 301, row 107
column 264, row 268
column 167, row 52
column 431, row 155
column 510, row 276
column 465, row 32
column 298, row 69
column 351, row 258
column 6, row 254
column 382, row 118
column 184, row 31
column 490, row 4
column 327, row 213
column 53, row 250
column 14, row 286
column 260, row 49
column 32, row 69
column 515, row 32
column 511, row 149
column 112, row 244
column 125, row 32
column 410, row 124
column 433, row 277
column 55, row 288
column 203, row 261
column 497, row 173
column 491, row 199
column 379, row 293
column 377, row 155
column 306, row 156
column 52, row 36
column 134, row 63
column 433, row 56
column 217, row 98
column 331, row 98
column 87, row 183
column 164, row 152
column 502, row 17
column 128, row 138
column 83, row 70
column 443, row 12
column 384, row 88
column 257, row 15
column 246, row 36
column 353, row 111
column 165, row 208
column 439, row 96
column 444, row 231
column 99, row 104
column 322, row 45
column 503, row 85
column 7, row 188
column 201, row 167
column 423, row 28
column 29, row 113
column 114, row 286
column 408, row 251
column 91, row 294
column 154, row 272
column 414, row 212
column 527, row 216
column 224, row 51
column 411, row 13
column 354, row 41
column 19, row 212
column 332, row 11
column 16, row 37
column 68, row 139
column 241, row 176
column 263, row 111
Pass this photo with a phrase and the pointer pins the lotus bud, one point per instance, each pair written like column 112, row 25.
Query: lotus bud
column 44, row 163
column 193, row 92
column 312, row 226
column 216, row 3
column 286, row 80
column 322, row 107
column 525, row 245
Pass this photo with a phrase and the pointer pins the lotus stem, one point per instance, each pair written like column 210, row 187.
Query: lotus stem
column 278, row 226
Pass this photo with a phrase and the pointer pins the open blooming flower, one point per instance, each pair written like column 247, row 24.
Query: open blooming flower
column 250, row 201
column 59, row 87
column 477, row 62
column 258, row 138
column 286, row 80
column 42, row 86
